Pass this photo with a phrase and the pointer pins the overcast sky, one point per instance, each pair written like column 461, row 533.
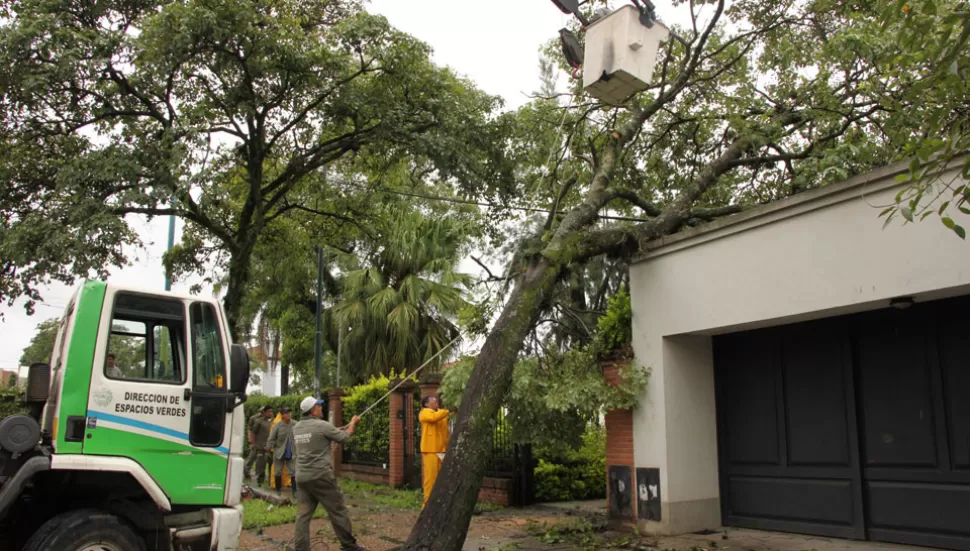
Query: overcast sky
column 493, row 42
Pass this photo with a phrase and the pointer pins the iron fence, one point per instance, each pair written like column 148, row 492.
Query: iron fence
column 501, row 463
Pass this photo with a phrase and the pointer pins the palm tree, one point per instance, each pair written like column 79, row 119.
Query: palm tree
column 402, row 298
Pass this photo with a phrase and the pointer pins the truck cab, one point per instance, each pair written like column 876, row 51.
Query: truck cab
column 134, row 435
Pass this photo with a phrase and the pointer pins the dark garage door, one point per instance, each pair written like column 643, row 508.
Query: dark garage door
column 856, row 427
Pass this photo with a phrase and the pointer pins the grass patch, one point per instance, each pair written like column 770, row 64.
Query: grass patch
column 382, row 495
column 258, row 514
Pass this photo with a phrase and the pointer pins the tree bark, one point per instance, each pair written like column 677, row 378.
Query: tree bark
column 443, row 524
column 240, row 268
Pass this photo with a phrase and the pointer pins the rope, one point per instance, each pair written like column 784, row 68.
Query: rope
column 413, row 373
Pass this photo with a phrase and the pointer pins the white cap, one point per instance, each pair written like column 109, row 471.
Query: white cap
column 307, row 404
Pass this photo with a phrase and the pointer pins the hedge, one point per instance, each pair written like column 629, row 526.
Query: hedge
column 373, row 434
column 579, row 475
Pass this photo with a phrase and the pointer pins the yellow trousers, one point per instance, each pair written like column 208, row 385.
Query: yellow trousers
column 430, row 466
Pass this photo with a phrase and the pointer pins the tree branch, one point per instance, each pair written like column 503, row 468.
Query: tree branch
column 566, row 186
column 709, row 214
column 649, row 208
column 491, row 276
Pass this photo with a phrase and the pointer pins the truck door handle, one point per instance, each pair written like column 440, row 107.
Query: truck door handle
column 187, row 395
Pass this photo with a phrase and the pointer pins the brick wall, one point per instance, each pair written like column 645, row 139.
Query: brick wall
column 365, row 473
column 495, row 490
column 619, row 431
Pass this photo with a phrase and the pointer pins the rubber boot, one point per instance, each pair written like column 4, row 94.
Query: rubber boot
column 293, row 487
column 278, row 479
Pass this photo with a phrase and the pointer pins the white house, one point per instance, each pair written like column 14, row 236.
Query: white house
column 810, row 373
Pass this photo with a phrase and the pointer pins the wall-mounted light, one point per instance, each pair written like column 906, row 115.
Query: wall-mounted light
column 902, row 303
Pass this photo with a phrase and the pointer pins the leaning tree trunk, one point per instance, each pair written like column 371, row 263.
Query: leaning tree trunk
column 443, row 524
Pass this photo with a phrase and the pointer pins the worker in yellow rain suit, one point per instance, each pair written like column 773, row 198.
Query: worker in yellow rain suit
column 434, row 442
column 284, row 481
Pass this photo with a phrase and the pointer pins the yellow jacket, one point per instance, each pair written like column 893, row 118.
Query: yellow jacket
column 434, row 430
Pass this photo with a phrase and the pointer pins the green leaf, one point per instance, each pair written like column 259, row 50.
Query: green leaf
column 943, row 207
column 907, row 213
column 960, row 232
column 948, row 222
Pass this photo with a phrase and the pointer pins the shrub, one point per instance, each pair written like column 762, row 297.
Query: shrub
column 373, row 433
column 11, row 401
column 614, row 330
column 575, row 475
column 553, row 399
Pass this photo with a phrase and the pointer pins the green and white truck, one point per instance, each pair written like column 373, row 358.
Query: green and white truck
column 134, row 435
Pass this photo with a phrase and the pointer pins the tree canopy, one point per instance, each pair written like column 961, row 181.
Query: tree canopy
column 230, row 114
column 42, row 343
column 931, row 40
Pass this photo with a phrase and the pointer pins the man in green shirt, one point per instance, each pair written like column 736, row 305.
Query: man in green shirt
column 259, row 427
column 317, row 481
column 281, row 444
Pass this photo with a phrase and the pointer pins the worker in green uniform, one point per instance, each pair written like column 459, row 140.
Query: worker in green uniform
column 314, row 473
column 280, row 443
column 259, row 427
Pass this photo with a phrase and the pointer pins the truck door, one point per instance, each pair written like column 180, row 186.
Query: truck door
column 142, row 404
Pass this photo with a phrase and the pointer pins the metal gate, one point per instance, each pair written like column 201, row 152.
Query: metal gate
column 412, row 443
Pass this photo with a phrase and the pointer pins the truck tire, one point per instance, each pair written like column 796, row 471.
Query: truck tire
column 85, row 530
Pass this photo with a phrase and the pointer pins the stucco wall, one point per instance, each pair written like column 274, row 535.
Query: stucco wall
column 821, row 253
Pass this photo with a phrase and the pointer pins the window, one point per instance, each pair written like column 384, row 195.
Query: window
column 209, row 361
column 146, row 341
column 209, row 393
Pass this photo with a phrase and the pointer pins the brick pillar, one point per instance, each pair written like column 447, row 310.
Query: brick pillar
column 336, row 396
column 619, row 439
column 401, row 419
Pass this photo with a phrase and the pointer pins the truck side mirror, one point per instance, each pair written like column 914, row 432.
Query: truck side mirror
column 238, row 369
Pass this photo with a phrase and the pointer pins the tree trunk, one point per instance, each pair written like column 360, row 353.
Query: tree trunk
column 443, row 524
column 240, row 264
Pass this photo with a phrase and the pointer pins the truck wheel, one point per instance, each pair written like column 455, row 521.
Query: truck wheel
column 85, row 530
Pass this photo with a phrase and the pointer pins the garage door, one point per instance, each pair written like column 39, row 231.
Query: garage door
column 853, row 427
